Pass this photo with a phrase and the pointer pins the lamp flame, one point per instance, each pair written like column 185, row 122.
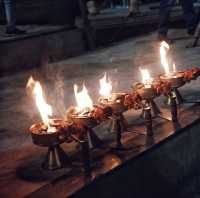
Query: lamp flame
column 44, row 108
column 146, row 78
column 164, row 48
column 105, row 87
column 83, row 100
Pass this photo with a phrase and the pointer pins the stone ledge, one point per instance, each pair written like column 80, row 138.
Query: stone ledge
column 35, row 50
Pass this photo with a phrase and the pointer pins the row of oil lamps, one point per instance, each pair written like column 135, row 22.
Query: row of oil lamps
column 80, row 120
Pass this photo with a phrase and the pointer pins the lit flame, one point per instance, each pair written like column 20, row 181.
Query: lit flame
column 146, row 78
column 105, row 87
column 44, row 108
column 164, row 48
column 83, row 100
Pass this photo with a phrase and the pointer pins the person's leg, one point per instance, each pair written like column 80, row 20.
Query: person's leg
column 10, row 18
column 189, row 15
column 9, row 11
column 133, row 6
column 165, row 8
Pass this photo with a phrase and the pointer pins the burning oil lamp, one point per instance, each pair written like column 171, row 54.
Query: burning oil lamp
column 81, row 116
column 82, row 112
column 147, row 94
column 109, row 98
column 116, row 102
column 176, row 79
column 147, row 91
column 50, row 132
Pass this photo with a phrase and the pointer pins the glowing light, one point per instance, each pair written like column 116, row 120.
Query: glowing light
column 105, row 87
column 44, row 108
column 146, row 78
column 83, row 100
column 164, row 48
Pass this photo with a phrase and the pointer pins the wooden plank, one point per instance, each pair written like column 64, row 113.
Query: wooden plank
column 112, row 164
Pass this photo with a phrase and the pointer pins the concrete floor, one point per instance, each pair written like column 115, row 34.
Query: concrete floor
column 121, row 62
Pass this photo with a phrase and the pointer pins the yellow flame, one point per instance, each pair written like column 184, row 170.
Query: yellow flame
column 105, row 87
column 44, row 108
column 164, row 48
column 83, row 100
column 146, row 77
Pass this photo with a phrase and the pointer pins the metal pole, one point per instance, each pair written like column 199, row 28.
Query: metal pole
column 148, row 120
column 173, row 108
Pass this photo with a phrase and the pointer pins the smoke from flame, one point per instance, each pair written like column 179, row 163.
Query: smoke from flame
column 174, row 68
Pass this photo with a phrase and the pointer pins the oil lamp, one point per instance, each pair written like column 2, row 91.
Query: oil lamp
column 50, row 132
column 81, row 116
column 109, row 98
column 147, row 93
column 176, row 79
column 116, row 102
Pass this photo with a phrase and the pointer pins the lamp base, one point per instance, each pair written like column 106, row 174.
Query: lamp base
column 56, row 158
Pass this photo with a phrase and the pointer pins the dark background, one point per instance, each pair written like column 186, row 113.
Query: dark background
column 47, row 11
